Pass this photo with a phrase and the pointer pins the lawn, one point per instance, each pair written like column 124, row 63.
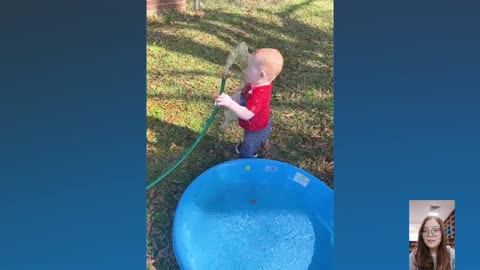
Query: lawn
column 185, row 59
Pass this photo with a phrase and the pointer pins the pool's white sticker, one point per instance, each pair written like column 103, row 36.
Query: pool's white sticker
column 301, row 179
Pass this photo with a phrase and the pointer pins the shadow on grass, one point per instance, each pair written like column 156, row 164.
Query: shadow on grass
column 168, row 144
column 301, row 44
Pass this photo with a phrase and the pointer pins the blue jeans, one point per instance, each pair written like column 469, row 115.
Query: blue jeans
column 253, row 141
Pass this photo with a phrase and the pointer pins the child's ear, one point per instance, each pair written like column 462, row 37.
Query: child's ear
column 263, row 75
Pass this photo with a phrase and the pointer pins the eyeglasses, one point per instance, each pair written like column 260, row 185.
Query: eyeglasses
column 434, row 231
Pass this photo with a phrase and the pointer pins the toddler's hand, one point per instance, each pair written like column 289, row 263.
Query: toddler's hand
column 224, row 100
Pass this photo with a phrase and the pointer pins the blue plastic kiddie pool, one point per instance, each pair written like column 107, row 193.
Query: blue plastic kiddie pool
column 254, row 214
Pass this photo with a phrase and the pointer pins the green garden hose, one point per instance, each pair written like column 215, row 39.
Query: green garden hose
column 199, row 138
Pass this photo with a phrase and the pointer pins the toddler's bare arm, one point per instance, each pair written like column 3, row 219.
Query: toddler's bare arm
column 228, row 102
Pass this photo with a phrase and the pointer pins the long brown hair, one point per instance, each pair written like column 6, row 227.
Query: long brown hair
column 423, row 258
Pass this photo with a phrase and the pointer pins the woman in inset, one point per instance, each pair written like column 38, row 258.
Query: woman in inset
column 432, row 252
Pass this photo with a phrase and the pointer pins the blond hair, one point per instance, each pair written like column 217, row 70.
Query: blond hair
column 270, row 61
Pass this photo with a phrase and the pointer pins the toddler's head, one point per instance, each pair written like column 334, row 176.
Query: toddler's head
column 263, row 66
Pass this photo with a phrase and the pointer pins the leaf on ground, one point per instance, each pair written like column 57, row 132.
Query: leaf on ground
column 173, row 147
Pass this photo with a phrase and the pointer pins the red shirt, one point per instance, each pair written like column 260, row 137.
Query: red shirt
column 258, row 102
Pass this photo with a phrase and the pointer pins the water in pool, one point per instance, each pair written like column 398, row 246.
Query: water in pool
column 260, row 226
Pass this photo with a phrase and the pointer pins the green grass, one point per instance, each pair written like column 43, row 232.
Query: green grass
column 185, row 59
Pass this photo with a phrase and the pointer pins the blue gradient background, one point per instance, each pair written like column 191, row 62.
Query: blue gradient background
column 406, row 125
column 72, row 147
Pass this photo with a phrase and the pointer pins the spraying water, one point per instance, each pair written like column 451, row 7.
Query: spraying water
column 238, row 56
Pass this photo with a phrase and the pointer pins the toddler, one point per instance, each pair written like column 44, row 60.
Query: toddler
column 252, row 104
